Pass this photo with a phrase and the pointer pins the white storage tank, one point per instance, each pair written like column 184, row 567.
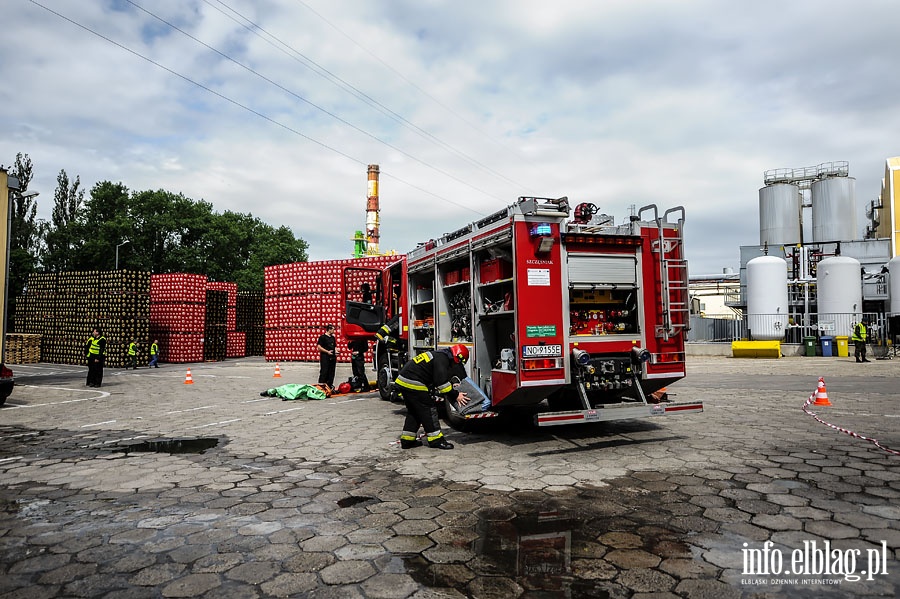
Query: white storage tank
column 834, row 209
column 839, row 283
column 767, row 298
column 779, row 214
column 894, row 289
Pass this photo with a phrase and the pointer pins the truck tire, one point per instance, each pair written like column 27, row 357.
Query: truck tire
column 455, row 419
column 384, row 384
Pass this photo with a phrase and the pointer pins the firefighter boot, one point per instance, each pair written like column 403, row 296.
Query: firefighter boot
column 439, row 442
column 409, row 441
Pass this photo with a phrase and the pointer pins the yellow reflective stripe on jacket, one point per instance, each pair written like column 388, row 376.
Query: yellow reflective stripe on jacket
column 132, row 349
column 445, row 388
column 411, row 384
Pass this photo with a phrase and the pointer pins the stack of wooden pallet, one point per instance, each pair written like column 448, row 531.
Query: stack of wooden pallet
column 22, row 348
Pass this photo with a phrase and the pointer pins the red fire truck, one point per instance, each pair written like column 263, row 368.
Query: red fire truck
column 577, row 319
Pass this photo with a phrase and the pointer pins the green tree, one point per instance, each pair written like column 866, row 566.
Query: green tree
column 26, row 234
column 65, row 234
column 168, row 232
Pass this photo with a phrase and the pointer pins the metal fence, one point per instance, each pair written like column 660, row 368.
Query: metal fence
column 787, row 328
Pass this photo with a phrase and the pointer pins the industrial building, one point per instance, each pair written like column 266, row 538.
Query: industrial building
column 815, row 271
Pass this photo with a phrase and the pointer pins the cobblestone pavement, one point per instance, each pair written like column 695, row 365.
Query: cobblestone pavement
column 152, row 488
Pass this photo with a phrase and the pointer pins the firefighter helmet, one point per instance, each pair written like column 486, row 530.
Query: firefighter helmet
column 460, row 353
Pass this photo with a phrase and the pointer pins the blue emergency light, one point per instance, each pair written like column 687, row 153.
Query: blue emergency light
column 541, row 230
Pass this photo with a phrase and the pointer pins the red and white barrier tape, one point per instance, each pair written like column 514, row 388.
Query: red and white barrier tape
column 875, row 442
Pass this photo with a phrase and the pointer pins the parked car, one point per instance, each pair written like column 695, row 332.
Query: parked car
column 7, row 382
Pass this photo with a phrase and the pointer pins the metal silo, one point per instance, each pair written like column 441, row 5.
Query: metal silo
column 779, row 214
column 767, row 298
column 894, row 289
column 839, row 282
column 834, row 209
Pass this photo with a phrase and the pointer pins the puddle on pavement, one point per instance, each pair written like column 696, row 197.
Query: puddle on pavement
column 171, row 446
column 527, row 546
column 353, row 500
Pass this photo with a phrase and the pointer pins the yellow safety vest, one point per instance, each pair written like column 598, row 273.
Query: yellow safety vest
column 132, row 349
column 94, row 349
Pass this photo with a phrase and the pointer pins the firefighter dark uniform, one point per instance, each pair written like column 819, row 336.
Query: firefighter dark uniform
column 358, row 349
column 95, row 351
column 132, row 355
column 327, row 346
column 859, row 339
column 420, row 378
column 389, row 332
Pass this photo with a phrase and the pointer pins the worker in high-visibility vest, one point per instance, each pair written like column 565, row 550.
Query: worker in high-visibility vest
column 859, row 338
column 95, row 352
column 428, row 373
column 132, row 354
column 154, row 354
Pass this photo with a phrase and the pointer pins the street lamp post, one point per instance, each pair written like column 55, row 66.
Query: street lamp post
column 117, row 252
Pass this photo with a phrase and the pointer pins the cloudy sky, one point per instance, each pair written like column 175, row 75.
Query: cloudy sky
column 275, row 107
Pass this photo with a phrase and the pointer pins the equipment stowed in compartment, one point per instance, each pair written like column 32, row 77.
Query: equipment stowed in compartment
column 459, row 308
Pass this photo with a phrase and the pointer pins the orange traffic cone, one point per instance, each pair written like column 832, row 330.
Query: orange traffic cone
column 277, row 374
column 187, row 378
column 821, row 394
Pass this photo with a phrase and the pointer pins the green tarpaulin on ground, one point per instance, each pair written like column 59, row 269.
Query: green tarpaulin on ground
column 295, row 391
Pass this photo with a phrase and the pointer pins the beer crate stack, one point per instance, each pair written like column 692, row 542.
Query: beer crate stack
column 302, row 297
column 124, row 314
column 23, row 348
column 36, row 308
column 64, row 307
column 214, row 330
column 235, row 345
column 250, row 317
column 178, row 315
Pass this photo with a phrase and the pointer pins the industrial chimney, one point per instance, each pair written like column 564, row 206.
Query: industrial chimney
column 372, row 211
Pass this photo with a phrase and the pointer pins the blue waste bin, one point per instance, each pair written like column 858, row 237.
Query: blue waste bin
column 826, row 346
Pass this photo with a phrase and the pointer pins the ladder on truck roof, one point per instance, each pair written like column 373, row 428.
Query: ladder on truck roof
column 673, row 273
column 527, row 206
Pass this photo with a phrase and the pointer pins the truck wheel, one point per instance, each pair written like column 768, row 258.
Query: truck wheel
column 384, row 384
column 455, row 419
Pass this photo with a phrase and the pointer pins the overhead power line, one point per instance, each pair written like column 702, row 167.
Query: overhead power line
column 325, row 73
column 412, row 84
column 244, row 106
column 310, row 103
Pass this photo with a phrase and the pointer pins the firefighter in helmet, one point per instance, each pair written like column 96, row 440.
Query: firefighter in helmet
column 420, row 378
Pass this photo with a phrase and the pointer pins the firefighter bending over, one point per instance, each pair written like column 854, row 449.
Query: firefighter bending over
column 421, row 377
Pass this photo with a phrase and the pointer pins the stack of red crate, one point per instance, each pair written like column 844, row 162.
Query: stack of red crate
column 237, row 341
column 302, row 297
column 178, row 315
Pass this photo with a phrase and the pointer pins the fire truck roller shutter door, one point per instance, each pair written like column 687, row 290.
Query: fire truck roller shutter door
column 617, row 270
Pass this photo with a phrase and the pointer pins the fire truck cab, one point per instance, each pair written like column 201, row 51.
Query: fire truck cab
column 580, row 320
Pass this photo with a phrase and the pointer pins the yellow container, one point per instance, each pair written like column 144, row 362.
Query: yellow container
column 756, row 349
column 843, row 348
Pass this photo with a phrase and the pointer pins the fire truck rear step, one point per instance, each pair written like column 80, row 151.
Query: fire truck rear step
column 620, row 411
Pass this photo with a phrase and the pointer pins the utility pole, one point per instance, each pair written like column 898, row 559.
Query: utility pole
column 7, row 183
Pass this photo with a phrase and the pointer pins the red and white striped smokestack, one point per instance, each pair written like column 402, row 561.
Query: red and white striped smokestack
column 372, row 210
